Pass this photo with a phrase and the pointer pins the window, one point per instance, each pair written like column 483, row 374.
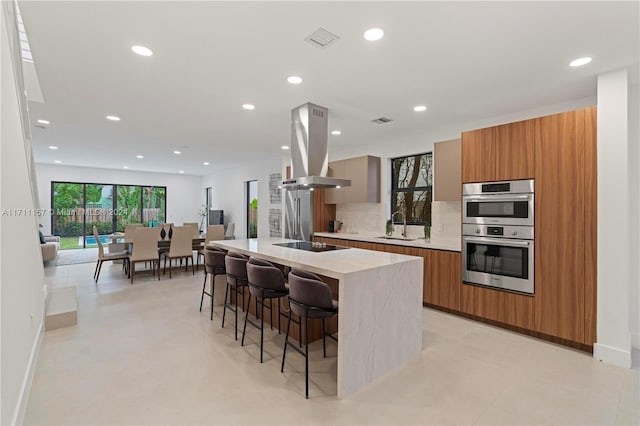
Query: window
column 252, row 209
column 411, row 186
column 78, row 207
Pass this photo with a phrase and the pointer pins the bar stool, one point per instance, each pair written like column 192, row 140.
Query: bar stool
column 265, row 282
column 310, row 298
column 236, row 266
column 214, row 264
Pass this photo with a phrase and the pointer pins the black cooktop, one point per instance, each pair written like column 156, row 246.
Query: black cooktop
column 309, row 246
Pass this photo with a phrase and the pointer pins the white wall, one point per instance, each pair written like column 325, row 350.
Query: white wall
column 229, row 192
column 21, row 270
column 614, row 241
column 185, row 195
column 634, row 199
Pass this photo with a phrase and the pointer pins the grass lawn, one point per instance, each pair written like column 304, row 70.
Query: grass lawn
column 67, row 243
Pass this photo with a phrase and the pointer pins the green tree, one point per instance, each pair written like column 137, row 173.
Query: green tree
column 129, row 200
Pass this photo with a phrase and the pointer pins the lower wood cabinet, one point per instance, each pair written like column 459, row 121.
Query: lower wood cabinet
column 442, row 275
column 509, row 308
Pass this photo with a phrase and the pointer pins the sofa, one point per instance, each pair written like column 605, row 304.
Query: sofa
column 50, row 248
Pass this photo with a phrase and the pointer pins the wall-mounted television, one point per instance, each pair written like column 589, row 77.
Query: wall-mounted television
column 216, row 217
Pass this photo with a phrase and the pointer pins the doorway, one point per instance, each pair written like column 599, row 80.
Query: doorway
column 252, row 209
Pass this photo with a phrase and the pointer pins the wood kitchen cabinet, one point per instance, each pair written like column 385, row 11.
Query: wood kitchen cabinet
column 447, row 178
column 364, row 173
column 565, row 233
column 514, row 150
column 499, row 153
column 443, row 278
column 335, row 195
column 497, row 305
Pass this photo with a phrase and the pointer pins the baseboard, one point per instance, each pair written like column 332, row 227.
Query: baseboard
column 611, row 355
column 23, row 397
column 635, row 340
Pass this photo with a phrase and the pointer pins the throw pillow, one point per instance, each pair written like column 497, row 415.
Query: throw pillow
column 42, row 240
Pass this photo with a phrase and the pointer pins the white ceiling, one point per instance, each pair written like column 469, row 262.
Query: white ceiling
column 464, row 60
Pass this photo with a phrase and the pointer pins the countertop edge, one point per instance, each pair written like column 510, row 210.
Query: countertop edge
column 371, row 239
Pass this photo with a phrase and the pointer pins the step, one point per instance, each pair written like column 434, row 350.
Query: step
column 62, row 308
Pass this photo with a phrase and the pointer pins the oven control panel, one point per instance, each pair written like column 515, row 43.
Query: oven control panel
column 512, row 231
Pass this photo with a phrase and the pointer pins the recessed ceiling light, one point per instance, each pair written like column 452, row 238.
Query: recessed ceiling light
column 419, row 108
column 141, row 50
column 336, row 132
column 284, row 147
column 139, row 156
column 181, row 171
column 580, row 62
column 373, row 34
column 125, row 167
column 294, row 79
column 53, row 147
column 44, row 122
column 177, row 152
column 57, row 161
column 112, row 117
column 248, row 106
column 206, row 163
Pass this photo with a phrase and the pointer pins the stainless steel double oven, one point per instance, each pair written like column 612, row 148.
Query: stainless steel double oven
column 498, row 235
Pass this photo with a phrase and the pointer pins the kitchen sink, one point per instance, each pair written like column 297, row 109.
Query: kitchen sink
column 398, row 238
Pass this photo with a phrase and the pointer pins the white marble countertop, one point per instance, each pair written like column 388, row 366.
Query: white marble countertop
column 420, row 242
column 333, row 264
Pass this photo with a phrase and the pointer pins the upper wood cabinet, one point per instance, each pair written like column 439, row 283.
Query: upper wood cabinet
column 514, row 150
column 478, row 155
column 364, row 173
column 499, row 153
column 447, row 179
column 331, row 195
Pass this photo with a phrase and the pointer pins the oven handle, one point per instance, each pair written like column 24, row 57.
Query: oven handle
column 497, row 197
column 498, row 241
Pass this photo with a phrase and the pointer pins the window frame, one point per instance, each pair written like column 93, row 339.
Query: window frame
column 395, row 190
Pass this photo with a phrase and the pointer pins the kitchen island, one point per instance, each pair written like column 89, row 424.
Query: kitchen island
column 380, row 294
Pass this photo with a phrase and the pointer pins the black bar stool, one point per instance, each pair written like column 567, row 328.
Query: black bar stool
column 214, row 264
column 265, row 282
column 310, row 298
column 236, row 265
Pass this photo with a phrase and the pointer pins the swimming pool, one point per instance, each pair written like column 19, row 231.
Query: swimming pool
column 92, row 240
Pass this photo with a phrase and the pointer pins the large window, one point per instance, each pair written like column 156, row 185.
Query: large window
column 78, row 207
column 411, row 186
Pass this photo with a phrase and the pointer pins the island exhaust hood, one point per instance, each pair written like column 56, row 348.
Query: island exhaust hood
column 309, row 154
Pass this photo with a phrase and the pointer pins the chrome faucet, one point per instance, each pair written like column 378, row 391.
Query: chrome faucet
column 404, row 222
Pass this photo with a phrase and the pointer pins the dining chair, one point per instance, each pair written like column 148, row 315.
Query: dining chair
column 166, row 227
column 104, row 257
column 214, row 233
column 145, row 249
column 229, row 234
column 194, row 228
column 180, row 248
column 128, row 230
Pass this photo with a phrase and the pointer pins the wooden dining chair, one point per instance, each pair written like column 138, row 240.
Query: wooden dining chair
column 145, row 249
column 105, row 257
column 214, row 233
column 180, row 248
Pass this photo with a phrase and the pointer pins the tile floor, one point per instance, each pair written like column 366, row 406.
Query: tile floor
column 144, row 354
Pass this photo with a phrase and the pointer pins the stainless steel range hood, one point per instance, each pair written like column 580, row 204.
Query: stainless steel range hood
column 309, row 155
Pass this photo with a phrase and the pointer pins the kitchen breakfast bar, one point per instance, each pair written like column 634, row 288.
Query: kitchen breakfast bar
column 380, row 302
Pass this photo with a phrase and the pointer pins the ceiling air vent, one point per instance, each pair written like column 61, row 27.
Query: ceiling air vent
column 321, row 38
column 382, row 120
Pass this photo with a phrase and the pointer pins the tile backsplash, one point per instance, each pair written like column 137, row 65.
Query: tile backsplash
column 370, row 219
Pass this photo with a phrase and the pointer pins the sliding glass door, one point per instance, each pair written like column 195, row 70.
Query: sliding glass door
column 78, row 207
